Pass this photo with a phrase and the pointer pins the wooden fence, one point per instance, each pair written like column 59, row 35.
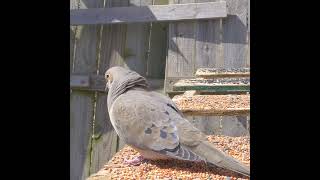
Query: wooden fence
column 162, row 46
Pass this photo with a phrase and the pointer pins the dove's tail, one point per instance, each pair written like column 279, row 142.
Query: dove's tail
column 216, row 157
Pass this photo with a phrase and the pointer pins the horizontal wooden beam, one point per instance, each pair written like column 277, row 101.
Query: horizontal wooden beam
column 216, row 73
column 158, row 13
column 213, row 85
column 213, row 105
column 98, row 82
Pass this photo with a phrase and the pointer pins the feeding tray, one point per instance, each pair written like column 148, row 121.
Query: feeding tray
column 237, row 147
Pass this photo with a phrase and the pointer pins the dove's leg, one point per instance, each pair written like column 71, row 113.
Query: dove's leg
column 136, row 161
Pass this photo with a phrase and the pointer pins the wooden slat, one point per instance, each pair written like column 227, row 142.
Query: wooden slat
column 193, row 45
column 113, row 38
column 158, row 50
column 181, row 50
column 234, row 126
column 98, row 82
column 207, row 124
column 104, row 143
column 72, row 44
column 173, row 12
column 79, row 81
column 81, row 112
column 213, row 104
column 208, row 48
column 137, row 43
column 82, row 103
column 218, row 72
column 156, row 61
column 234, row 34
column 214, row 85
column 105, row 139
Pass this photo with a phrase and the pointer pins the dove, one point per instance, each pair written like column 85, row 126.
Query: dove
column 152, row 124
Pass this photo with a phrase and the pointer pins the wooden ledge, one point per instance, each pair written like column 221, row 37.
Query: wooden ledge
column 237, row 147
column 215, row 72
column 232, row 104
column 213, row 85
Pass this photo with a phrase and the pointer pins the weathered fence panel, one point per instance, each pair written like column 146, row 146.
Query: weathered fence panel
column 160, row 51
column 234, row 39
column 218, row 43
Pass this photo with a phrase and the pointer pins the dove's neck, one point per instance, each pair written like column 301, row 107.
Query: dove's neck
column 131, row 82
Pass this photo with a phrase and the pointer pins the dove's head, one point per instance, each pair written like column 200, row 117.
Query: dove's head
column 119, row 80
column 115, row 74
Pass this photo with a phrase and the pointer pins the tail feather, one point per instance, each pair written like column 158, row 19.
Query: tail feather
column 207, row 152
column 219, row 158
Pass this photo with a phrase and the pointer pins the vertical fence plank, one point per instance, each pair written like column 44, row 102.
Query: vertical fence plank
column 208, row 42
column 192, row 45
column 235, row 34
column 137, row 42
column 181, row 54
column 105, row 141
column 82, row 103
column 112, row 54
column 72, row 42
column 158, row 50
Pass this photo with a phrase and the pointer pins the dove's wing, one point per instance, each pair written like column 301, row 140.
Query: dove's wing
column 149, row 123
column 152, row 122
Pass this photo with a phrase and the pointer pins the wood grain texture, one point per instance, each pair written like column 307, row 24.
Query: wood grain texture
column 192, row 46
column 137, row 43
column 105, row 139
column 104, row 143
column 181, row 52
column 81, row 115
column 234, row 35
column 82, row 103
column 234, row 126
column 79, row 81
column 181, row 46
column 206, row 124
column 136, row 47
column 208, row 42
column 158, row 49
column 154, row 13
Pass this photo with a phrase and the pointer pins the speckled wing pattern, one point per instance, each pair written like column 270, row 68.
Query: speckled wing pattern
column 149, row 121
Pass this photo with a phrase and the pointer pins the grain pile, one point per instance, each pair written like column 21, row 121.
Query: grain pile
column 238, row 147
column 208, row 72
column 213, row 104
column 213, row 82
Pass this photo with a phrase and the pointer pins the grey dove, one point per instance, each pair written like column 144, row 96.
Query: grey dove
column 151, row 123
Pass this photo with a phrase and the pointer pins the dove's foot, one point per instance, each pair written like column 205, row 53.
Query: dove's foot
column 136, row 161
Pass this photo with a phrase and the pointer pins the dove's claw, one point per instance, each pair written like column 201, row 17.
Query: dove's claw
column 136, row 161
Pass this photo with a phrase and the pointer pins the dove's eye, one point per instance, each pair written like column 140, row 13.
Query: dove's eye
column 107, row 76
